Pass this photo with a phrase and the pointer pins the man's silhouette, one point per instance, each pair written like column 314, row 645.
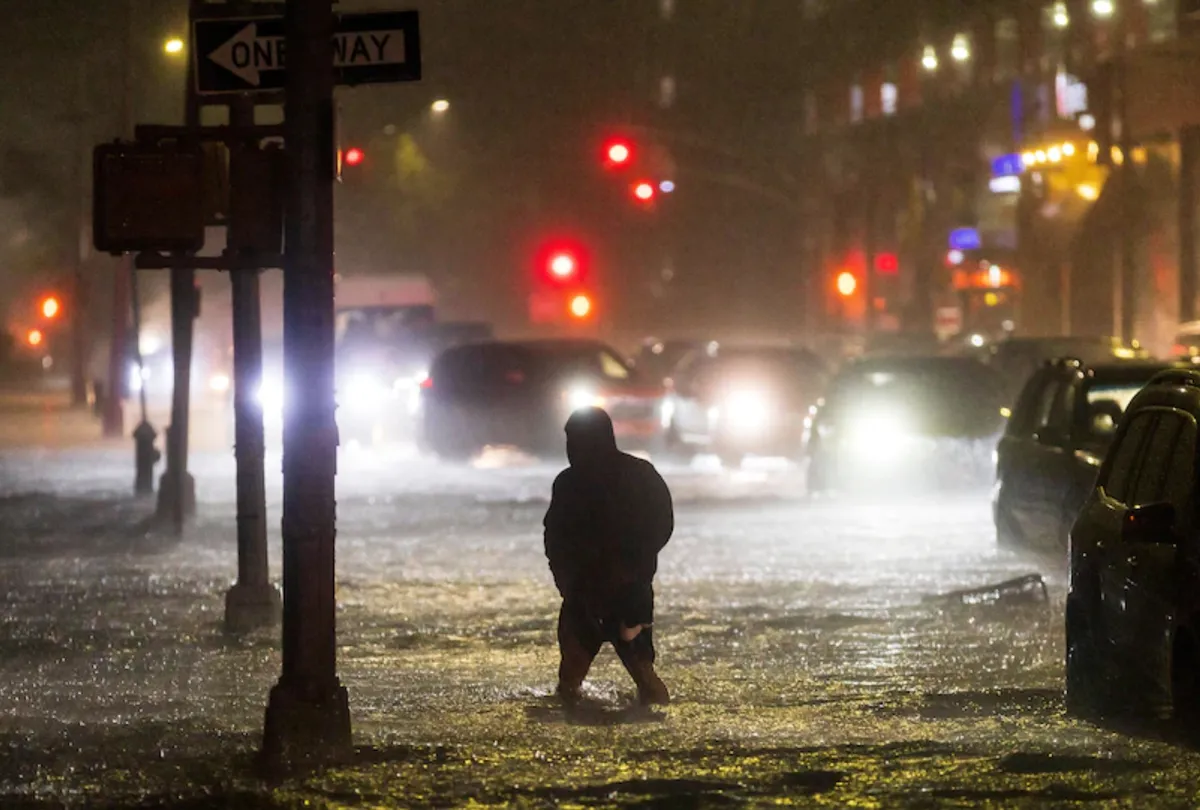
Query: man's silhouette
column 609, row 516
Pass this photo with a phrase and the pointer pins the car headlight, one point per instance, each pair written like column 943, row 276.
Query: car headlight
column 667, row 413
column 878, row 436
column 363, row 390
column 270, row 398
column 747, row 410
column 138, row 377
column 581, row 396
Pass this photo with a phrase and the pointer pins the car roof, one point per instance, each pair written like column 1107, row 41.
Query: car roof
column 1177, row 388
column 1133, row 370
column 915, row 363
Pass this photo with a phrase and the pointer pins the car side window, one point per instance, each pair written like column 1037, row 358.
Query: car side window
column 1045, row 408
column 1025, row 416
column 1164, row 466
column 613, row 368
column 1122, row 464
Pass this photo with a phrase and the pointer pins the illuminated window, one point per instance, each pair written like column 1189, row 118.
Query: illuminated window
column 1160, row 19
column 889, row 98
column 1008, row 49
column 856, row 103
column 1055, row 21
column 666, row 91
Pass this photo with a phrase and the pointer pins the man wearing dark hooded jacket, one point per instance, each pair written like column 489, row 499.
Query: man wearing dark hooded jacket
column 610, row 515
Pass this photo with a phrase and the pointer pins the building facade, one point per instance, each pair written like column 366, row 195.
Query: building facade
column 967, row 162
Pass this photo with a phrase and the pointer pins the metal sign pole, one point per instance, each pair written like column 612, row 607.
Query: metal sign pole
column 252, row 601
column 308, row 716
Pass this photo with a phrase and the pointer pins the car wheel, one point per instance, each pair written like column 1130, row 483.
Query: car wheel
column 1084, row 675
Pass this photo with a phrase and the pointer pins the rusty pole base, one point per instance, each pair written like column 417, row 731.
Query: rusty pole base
column 249, row 606
column 307, row 727
column 167, row 496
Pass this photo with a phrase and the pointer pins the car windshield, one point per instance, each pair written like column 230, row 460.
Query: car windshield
column 940, row 398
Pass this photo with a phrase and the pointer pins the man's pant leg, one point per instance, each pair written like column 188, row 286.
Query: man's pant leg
column 638, row 658
column 579, row 640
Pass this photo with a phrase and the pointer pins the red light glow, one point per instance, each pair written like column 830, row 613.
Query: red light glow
column 644, row 191
column 354, row 156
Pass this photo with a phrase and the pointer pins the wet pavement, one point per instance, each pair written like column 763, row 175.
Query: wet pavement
column 810, row 659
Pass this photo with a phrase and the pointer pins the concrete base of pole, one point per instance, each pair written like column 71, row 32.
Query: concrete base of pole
column 306, row 727
column 249, row 607
column 167, row 496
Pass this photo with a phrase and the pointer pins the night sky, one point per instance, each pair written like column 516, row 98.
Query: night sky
column 535, row 87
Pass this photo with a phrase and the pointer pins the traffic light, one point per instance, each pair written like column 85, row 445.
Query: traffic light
column 618, row 153
column 354, row 156
column 580, row 306
column 847, row 284
column 887, row 264
column 35, row 337
column 561, row 261
column 643, row 191
column 563, row 266
column 50, row 307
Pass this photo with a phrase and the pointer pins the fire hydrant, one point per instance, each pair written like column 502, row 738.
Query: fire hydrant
column 146, row 455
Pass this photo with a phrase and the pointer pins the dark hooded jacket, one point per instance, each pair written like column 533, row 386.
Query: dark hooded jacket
column 610, row 515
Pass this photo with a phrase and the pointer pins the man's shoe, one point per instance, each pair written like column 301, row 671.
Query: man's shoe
column 652, row 691
column 569, row 695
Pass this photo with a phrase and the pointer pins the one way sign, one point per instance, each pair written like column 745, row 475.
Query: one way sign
column 247, row 54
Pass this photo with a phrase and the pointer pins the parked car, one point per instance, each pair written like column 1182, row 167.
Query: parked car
column 520, row 393
column 742, row 400
column 1133, row 605
column 1046, row 463
column 901, row 423
column 1018, row 359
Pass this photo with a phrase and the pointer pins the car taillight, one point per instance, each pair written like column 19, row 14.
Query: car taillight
column 427, row 383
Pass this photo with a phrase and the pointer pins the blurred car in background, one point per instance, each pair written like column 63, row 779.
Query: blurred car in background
column 1018, row 359
column 658, row 359
column 736, row 401
column 1060, row 429
column 900, row 423
column 1187, row 340
column 520, row 393
column 1133, row 608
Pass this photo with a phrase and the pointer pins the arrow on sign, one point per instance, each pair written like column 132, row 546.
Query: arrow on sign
column 247, row 55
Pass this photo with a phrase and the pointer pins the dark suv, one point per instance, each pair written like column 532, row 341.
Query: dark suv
column 1046, row 463
column 520, row 393
column 1133, row 608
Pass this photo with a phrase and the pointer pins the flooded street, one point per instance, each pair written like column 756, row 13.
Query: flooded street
column 811, row 657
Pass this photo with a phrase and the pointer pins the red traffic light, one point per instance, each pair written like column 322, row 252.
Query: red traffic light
column 50, row 307
column 887, row 264
column 618, row 153
column 847, row 284
column 354, row 156
column 644, row 191
column 563, row 266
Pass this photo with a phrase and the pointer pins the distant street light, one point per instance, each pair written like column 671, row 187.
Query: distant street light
column 440, row 106
column 174, row 45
